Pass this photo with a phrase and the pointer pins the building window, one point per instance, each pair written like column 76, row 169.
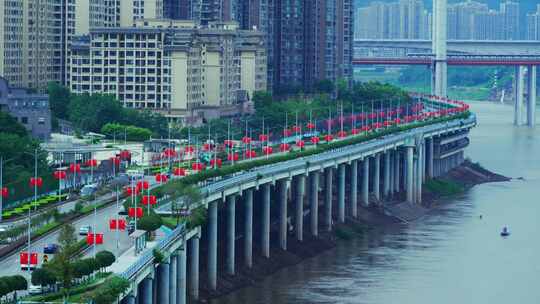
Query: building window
column 41, row 121
column 24, row 120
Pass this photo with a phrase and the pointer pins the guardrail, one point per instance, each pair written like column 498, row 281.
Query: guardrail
column 148, row 256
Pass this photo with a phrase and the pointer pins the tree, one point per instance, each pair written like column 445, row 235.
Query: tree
column 59, row 99
column 84, row 267
column 324, row 86
column 150, row 222
column 67, row 238
column 61, row 264
column 17, row 282
column 43, row 277
column 91, row 112
column 105, row 259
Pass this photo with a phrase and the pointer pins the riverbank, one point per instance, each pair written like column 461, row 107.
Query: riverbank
column 465, row 176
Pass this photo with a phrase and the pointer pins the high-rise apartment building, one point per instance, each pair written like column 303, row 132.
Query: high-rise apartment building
column 28, row 42
column 171, row 67
column 533, row 25
column 510, row 13
column 307, row 41
column 406, row 19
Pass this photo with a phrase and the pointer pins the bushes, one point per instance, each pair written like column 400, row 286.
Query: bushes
column 12, row 283
column 132, row 133
column 43, row 277
column 105, row 259
column 444, row 187
column 109, row 291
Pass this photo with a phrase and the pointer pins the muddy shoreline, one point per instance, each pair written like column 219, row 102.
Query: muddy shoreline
column 467, row 176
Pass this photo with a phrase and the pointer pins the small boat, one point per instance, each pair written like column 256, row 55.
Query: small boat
column 505, row 232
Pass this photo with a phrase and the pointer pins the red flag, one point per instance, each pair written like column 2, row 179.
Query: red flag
column 179, row 172
column 99, row 238
column 74, row 168
column 122, row 224
column 112, row 224
column 143, row 185
column 36, row 181
column 23, row 257
column 33, row 258
column 268, row 150
column 4, row 192
column 90, row 239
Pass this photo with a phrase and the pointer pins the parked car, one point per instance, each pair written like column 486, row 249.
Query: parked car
column 51, row 249
column 84, row 230
column 35, row 289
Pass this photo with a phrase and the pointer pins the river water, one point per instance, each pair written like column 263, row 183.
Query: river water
column 451, row 255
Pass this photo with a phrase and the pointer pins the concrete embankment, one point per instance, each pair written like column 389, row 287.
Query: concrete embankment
column 390, row 212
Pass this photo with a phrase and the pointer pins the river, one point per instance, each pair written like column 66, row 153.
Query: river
column 451, row 255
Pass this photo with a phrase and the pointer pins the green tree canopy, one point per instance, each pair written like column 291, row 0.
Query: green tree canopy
column 59, row 99
column 105, row 259
column 150, row 222
column 43, row 277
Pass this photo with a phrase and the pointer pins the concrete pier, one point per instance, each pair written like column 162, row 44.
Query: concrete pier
column 163, row 282
column 212, row 244
column 365, row 182
column 328, row 199
column 130, row 299
column 248, row 229
column 147, row 291
column 173, row 279
column 397, row 171
column 194, row 268
column 392, row 170
column 531, row 100
column 419, row 174
column 181, row 291
column 341, row 193
column 314, row 204
column 409, row 174
column 429, row 156
column 354, row 189
column 231, row 233
column 283, row 214
column 519, row 85
column 377, row 177
column 299, row 214
column 386, row 175
column 265, row 238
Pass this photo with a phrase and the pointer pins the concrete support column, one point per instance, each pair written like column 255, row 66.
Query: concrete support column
column 441, row 48
column 173, row 279
column 130, row 299
column 386, row 174
column 266, row 222
column 181, row 291
column 354, row 189
column 212, row 244
column 429, row 156
column 531, row 101
column 423, row 163
column 147, row 291
column 283, row 214
column 314, row 204
column 341, row 193
column 377, row 177
column 248, row 229
column 397, row 173
column 409, row 173
column 231, row 233
column 163, row 285
column 194, row 268
column 299, row 209
column 328, row 199
column 419, row 174
column 392, row 173
column 519, row 85
column 365, row 182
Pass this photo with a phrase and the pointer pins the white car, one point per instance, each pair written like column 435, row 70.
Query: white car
column 84, row 230
column 35, row 289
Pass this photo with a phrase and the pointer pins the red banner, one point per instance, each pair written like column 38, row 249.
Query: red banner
column 23, row 257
